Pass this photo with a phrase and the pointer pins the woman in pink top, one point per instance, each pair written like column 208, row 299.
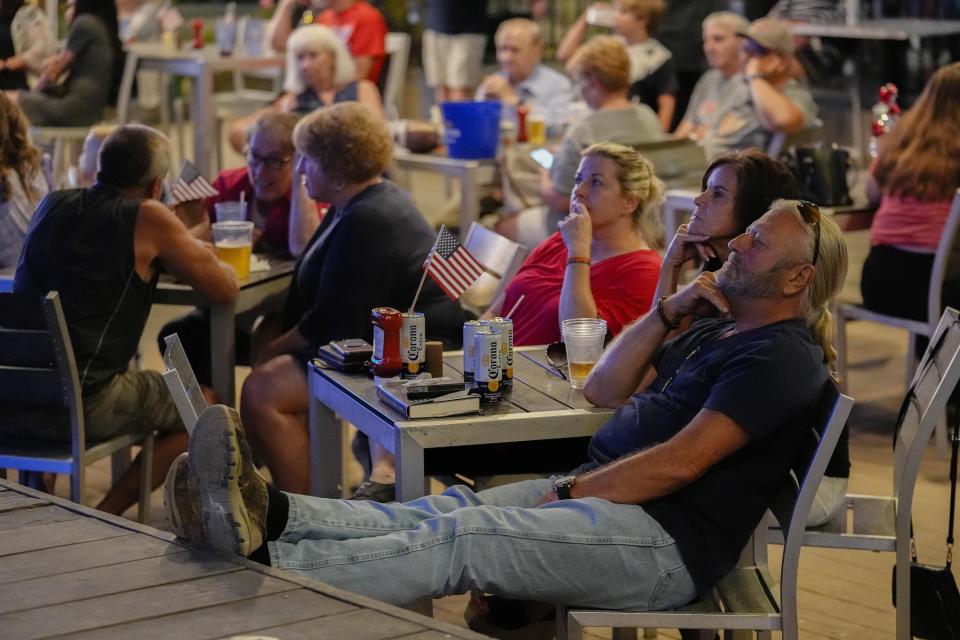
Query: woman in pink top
column 914, row 178
column 599, row 264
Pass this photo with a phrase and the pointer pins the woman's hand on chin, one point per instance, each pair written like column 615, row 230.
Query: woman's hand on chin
column 685, row 247
column 577, row 231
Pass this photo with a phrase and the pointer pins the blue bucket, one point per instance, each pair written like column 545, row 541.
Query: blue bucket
column 472, row 129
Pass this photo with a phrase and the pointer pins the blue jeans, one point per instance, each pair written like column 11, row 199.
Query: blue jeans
column 587, row 552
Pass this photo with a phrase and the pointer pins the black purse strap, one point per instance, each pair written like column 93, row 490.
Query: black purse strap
column 954, row 446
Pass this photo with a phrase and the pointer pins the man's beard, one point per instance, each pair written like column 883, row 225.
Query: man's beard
column 736, row 283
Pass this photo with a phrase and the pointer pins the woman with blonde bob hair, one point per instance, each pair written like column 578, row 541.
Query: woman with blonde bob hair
column 320, row 72
column 368, row 252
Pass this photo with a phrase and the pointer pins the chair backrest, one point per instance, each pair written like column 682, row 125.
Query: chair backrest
column 678, row 162
column 942, row 259
column 501, row 259
column 182, row 383
column 795, row 497
column 37, row 367
column 250, row 39
column 398, row 60
column 924, row 403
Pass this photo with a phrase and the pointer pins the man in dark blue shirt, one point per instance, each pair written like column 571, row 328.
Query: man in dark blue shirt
column 707, row 428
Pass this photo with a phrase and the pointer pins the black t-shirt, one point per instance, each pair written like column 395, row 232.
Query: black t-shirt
column 767, row 380
column 655, row 84
column 372, row 258
column 457, row 16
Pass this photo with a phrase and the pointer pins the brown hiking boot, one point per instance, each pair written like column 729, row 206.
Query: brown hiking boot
column 215, row 495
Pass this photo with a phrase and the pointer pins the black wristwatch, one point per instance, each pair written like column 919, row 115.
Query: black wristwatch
column 563, row 485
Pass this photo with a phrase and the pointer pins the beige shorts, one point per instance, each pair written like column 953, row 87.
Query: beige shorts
column 453, row 61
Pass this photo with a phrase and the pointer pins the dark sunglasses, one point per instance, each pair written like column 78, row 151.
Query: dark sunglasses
column 811, row 215
column 753, row 48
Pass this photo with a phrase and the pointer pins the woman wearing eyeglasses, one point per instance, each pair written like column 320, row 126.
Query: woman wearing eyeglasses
column 320, row 72
column 284, row 218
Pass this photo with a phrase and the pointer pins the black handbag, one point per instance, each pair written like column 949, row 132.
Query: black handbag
column 821, row 174
column 934, row 598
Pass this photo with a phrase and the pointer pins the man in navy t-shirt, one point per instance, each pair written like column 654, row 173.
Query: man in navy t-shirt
column 708, row 426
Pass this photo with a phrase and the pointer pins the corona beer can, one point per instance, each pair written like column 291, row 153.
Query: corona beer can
column 505, row 327
column 487, row 373
column 469, row 351
column 412, row 340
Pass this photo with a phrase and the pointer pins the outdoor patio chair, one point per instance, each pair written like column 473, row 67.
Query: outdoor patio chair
column 747, row 597
column 846, row 311
column 38, row 374
column 882, row 523
column 501, row 259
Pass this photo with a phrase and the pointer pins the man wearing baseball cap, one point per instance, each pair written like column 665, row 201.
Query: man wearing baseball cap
column 780, row 103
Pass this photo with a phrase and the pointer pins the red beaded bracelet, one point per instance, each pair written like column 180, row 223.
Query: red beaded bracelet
column 578, row 260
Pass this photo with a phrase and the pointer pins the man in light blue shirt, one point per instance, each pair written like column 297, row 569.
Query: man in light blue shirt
column 522, row 77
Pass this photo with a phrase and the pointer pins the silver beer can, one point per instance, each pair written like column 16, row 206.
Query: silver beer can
column 505, row 327
column 487, row 372
column 469, row 349
column 412, row 341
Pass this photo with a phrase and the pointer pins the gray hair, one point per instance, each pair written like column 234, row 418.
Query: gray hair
column 317, row 38
column 526, row 25
column 277, row 123
column 732, row 21
column 134, row 156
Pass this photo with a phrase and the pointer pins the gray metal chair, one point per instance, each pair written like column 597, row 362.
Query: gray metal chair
column 882, row 523
column 501, row 259
column 747, row 597
column 38, row 371
column 846, row 311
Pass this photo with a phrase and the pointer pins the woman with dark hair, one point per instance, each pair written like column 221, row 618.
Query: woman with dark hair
column 93, row 57
column 22, row 182
column 737, row 188
column 914, row 179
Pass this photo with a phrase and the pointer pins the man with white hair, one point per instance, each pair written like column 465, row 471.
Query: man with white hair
column 707, row 427
column 523, row 78
column 102, row 249
column 747, row 96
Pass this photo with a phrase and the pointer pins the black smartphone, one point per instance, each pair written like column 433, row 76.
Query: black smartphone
column 427, row 391
column 352, row 347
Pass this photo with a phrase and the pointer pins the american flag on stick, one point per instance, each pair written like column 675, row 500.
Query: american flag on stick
column 191, row 185
column 451, row 266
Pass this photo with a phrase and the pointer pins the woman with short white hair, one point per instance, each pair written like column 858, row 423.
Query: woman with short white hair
column 320, row 72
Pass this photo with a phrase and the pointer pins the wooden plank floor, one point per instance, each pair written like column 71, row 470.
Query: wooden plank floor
column 69, row 570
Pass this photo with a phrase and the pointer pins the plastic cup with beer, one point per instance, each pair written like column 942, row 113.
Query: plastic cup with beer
column 584, row 339
column 536, row 129
column 234, row 243
column 230, row 211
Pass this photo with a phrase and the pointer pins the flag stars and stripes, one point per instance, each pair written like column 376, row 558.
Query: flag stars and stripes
column 191, row 185
column 451, row 266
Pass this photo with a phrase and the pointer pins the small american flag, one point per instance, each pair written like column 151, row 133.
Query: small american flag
column 451, row 266
column 191, row 185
